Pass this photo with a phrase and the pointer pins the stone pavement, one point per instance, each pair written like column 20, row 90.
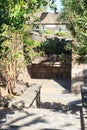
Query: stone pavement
column 56, row 90
column 54, row 115
column 44, row 119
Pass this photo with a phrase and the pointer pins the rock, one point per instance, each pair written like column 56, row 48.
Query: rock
column 26, row 105
column 27, row 85
column 18, row 105
column 3, row 92
column 4, row 102
column 19, row 89
column 23, row 76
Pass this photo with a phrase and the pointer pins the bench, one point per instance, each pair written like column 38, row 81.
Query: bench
column 27, row 99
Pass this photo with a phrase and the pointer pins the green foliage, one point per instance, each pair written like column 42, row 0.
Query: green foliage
column 52, row 4
column 63, row 34
column 75, row 12
column 64, row 58
column 32, row 49
column 48, row 31
column 15, row 15
column 55, row 46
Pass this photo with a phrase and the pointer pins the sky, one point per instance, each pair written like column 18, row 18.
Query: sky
column 59, row 6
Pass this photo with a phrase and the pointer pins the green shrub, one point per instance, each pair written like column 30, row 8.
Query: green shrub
column 48, row 31
column 63, row 34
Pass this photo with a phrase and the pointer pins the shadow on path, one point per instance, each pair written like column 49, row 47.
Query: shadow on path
column 58, row 107
column 65, row 83
column 8, row 114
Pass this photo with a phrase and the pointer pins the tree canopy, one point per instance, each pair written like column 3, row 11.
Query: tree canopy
column 14, row 22
column 75, row 12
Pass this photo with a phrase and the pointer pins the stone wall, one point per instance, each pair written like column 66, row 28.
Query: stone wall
column 50, row 70
column 77, row 75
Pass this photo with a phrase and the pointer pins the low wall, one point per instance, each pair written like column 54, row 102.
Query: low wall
column 50, row 70
column 77, row 75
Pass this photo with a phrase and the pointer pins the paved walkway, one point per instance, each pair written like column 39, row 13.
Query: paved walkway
column 53, row 115
column 54, row 90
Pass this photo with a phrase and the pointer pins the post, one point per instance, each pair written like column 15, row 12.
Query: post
column 38, row 98
column 82, row 119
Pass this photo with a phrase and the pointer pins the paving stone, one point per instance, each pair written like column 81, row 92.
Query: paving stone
column 52, row 93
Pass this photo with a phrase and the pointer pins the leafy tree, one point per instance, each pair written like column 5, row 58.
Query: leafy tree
column 15, row 15
column 75, row 12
